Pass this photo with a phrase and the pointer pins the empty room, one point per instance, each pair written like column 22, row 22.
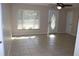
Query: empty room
column 38, row 29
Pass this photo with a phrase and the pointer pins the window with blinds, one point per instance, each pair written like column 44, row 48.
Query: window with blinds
column 28, row 19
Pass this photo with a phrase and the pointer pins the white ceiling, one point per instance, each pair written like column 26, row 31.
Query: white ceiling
column 54, row 4
column 44, row 4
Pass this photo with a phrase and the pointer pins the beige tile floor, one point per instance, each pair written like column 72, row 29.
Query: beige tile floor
column 43, row 45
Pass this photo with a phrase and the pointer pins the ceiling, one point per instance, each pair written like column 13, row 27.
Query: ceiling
column 54, row 4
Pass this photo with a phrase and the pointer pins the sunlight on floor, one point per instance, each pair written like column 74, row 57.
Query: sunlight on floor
column 52, row 36
column 23, row 37
column 32, row 37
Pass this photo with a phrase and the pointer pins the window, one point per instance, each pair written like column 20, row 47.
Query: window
column 53, row 21
column 28, row 19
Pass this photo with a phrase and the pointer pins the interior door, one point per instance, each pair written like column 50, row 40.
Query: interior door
column 69, row 22
column 53, row 21
column 1, row 35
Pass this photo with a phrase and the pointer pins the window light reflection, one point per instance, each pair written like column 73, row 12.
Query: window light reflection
column 23, row 37
column 52, row 36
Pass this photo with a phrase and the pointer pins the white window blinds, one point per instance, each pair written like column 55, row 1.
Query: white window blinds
column 28, row 19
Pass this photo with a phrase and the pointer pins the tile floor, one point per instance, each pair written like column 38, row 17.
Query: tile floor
column 43, row 45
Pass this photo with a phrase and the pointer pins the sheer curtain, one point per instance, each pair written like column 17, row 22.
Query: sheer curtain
column 28, row 19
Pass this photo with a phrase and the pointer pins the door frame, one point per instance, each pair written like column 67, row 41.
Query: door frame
column 56, row 12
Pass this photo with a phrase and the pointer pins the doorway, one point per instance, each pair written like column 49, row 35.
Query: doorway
column 69, row 22
column 53, row 21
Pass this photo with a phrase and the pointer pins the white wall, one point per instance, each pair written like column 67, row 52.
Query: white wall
column 1, row 34
column 69, row 22
column 62, row 21
column 43, row 19
column 76, row 51
column 6, row 17
column 74, row 20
